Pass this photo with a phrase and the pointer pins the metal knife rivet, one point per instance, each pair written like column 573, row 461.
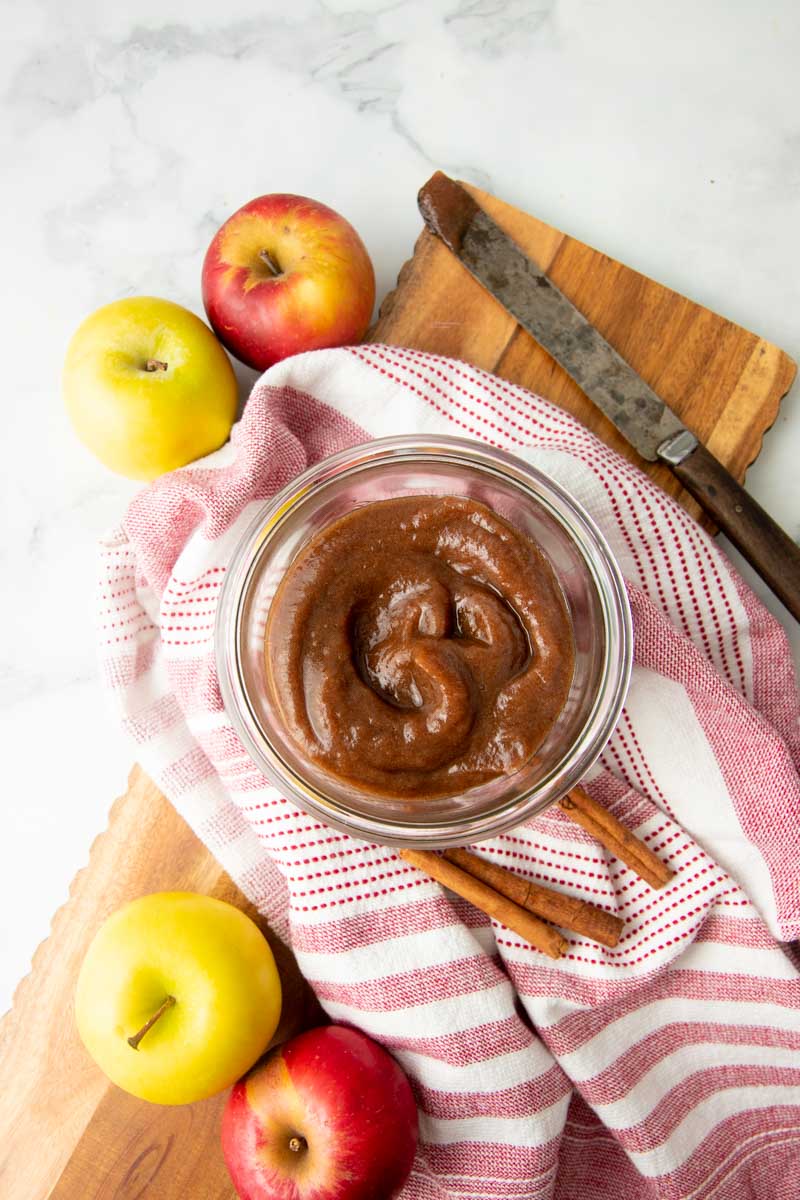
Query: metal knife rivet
column 641, row 416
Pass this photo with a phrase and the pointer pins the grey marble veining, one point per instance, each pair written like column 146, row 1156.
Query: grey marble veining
column 667, row 135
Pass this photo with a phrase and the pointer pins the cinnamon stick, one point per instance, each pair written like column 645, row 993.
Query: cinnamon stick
column 543, row 937
column 623, row 844
column 567, row 911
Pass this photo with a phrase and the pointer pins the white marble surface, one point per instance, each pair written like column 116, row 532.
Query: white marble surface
column 666, row 134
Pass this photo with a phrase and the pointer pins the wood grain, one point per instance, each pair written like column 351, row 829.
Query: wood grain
column 765, row 545
column 63, row 1126
column 64, row 1130
column 725, row 382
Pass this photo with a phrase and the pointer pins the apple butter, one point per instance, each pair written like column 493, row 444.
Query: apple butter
column 418, row 647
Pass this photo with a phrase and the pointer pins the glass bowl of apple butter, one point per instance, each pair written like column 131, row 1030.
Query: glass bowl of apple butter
column 423, row 641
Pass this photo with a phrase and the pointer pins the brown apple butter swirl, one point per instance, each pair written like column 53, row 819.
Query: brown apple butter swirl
column 418, row 647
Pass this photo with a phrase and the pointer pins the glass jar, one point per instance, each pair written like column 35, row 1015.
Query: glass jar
column 401, row 466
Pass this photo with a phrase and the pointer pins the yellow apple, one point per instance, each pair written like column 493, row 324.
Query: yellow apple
column 148, row 387
column 177, row 997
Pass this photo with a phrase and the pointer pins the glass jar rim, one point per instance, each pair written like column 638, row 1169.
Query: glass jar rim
column 537, row 487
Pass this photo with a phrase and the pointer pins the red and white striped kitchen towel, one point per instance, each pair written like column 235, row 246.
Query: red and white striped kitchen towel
column 668, row 1067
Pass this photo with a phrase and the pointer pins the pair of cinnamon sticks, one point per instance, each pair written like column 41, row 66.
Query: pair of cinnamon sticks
column 533, row 911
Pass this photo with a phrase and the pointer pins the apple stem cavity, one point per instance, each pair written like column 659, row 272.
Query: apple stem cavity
column 270, row 262
column 148, row 1025
column 297, row 1143
column 155, row 364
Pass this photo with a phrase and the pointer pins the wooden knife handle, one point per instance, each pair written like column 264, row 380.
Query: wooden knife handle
column 761, row 540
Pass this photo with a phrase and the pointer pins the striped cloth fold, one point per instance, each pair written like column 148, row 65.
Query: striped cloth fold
column 667, row 1067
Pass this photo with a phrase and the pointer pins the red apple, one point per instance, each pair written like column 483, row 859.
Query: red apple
column 327, row 1116
column 286, row 274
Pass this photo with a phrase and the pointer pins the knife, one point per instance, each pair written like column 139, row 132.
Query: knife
column 652, row 428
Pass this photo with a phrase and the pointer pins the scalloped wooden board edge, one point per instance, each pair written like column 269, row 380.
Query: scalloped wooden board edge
column 65, row 1131
column 725, row 382
column 60, row 1117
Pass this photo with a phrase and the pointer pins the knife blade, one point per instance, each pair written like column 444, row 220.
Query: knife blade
column 641, row 416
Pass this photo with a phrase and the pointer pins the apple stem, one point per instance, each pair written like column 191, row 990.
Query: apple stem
column 297, row 1143
column 155, row 364
column 148, row 1025
column 272, row 263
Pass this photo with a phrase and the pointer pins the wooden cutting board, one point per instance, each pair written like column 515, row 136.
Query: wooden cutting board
column 65, row 1131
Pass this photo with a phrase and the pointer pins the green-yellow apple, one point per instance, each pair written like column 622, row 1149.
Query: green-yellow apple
column 178, row 995
column 148, row 387
column 327, row 1116
column 286, row 274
